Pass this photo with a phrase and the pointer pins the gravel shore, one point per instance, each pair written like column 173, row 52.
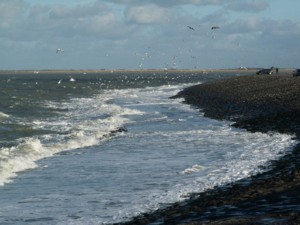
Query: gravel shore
column 258, row 103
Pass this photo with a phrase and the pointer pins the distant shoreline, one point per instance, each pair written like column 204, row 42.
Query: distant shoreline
column 282, row 71
column 87, row 71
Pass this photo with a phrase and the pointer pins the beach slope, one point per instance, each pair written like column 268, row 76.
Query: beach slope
column 255, row 102
column 264, row 103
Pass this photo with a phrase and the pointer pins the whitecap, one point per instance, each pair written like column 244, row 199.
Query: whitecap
column 3, row 115
column 195, row 168
column 19, row 158
column 83, row 122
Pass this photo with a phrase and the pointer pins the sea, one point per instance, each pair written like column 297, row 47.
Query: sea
column 101, row 148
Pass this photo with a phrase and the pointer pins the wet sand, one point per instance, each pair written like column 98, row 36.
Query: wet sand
column 265, row 103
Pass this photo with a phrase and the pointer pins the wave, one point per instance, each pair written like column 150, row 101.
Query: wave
column 85, row 122
column 195, row 168
column 18, row 158
column 76, row 123
column 174, row 151
column 3, row 115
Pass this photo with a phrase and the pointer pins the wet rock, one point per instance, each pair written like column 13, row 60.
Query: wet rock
column 119, row 130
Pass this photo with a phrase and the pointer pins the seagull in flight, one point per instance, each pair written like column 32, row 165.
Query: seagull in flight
column 191, row 28
column 215, row 27
column 59, row 50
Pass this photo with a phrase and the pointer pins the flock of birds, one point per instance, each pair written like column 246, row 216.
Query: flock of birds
column 60, row 50
column 212, row 28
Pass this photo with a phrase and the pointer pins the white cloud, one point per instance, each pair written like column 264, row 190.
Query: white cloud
column 122, row 28
column 87, row 10
column 63, row 21
column 236, row 5
column 248, row 5
column 169, row 3
column 100, row 25
column 147, row 14
column 10, row 10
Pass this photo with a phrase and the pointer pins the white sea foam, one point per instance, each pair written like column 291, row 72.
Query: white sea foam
column 212, row 152
column 241, row 154
column 195, row 168
column 86, row 122
column 19, row 158
column 3, row 115
column 169, row 152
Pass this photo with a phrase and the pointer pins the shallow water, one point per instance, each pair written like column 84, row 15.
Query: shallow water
column 62, row 161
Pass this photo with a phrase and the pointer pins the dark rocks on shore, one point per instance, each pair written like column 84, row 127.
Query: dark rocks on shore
column 258, row 103
column 116, row 131
column 119, row 130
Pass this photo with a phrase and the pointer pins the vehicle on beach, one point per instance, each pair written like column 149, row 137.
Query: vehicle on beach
column 296, row 73
column 265, row 71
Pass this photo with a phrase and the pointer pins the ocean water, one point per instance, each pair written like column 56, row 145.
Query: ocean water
column 102, row 148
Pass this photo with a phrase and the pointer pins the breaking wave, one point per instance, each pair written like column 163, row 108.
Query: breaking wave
column 85, row 122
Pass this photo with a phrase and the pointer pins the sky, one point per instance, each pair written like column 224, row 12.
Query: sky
column 149, row 34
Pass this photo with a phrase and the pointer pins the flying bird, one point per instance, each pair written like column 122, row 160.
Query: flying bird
column 215, row 27
column 191, row 28
column 59, row 50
